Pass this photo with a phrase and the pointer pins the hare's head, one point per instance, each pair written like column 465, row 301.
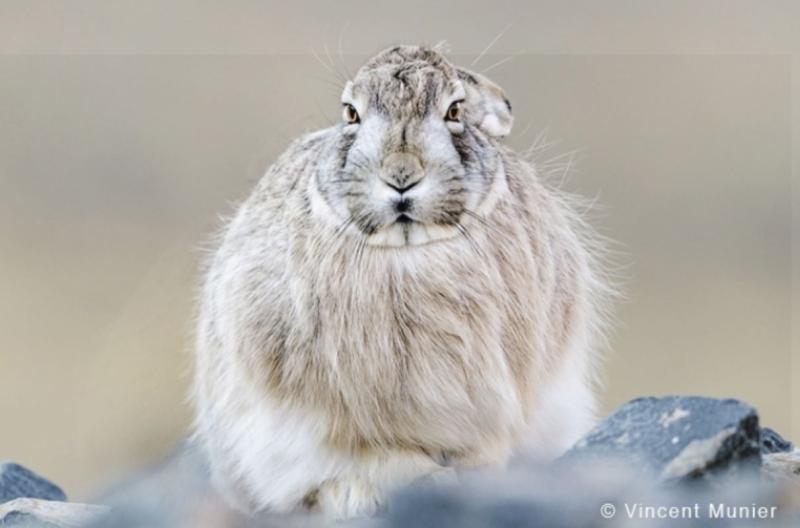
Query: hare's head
column 416, row 147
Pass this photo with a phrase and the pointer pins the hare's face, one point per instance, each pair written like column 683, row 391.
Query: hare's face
column 415, row 152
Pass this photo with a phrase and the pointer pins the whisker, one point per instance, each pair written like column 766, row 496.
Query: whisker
column 489, row 46
column 362, row 244
column 322, row 63
column 498, row 63
column 324, row 114
column 339, row 48
column 329, row 82
column 473, row 244
column 336, row 72
column 329, row 246
column 484, row 222
column 343, row 227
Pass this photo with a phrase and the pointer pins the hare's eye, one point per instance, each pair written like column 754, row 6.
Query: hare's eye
column 350, row 114
column 454, row 112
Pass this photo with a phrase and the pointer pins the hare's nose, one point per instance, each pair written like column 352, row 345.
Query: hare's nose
column 401, row 171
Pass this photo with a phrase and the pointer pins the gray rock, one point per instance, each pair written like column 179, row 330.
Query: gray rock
column 526, row 495
column 677, row 437
column 783, row 466
column 49, row 514
column 587, row 493
column 176, row 492
column 17, row 481
column 772, row 442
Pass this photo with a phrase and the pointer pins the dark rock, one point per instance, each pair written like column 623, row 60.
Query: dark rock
column 17, row 481
column 772, row 442
column 677, row 437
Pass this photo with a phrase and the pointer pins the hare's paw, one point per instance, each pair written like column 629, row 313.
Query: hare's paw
column 346, row 498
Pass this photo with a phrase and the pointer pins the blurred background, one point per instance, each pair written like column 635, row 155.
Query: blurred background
column 127, row 130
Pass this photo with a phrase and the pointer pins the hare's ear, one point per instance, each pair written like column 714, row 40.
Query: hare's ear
column 486, row 105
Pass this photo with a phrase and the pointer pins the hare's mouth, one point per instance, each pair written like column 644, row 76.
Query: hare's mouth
column 405, row 231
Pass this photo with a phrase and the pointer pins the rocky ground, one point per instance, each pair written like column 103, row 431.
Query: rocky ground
column 671, row 461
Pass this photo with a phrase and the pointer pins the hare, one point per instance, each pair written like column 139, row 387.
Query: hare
column 400, row 297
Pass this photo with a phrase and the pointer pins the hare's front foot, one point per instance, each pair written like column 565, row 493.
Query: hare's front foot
column 363, row 490
column 347, row 498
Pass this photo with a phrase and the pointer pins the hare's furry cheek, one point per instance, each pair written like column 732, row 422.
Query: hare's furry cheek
column 330, row 214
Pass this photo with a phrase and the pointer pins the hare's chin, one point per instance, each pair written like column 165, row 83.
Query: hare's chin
column 410, row 234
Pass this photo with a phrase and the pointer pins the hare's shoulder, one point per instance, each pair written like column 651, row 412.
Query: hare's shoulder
column 302, row 157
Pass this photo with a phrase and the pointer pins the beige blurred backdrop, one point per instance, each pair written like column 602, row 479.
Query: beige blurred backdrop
column 126, row 131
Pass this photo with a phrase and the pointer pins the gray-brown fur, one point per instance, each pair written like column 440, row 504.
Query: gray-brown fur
column 381, row 357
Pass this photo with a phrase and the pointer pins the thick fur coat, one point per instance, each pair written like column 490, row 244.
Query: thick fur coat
column 399, row 297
